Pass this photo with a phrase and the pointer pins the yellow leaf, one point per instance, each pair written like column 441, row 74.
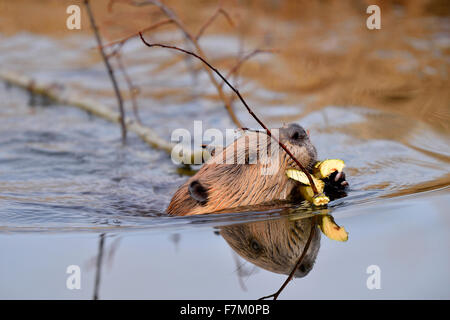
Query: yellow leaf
column 301, row 177
column 323, row 169
column 297, row 175
column 332, row 230
column 320, row 199
column 306, row 190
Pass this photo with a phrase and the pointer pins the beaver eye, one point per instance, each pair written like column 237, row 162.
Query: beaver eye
column 296, row 132
column 255, row 246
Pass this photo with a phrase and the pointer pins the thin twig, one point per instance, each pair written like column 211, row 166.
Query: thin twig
column 219, row 10
column 136, row 34
column 171, row 15
column 269, row 133
column 115, row 50
column 110, row 71
column 241, row 61
column 247, row 57
column 131, row 87
column 112, row 2
column 299, row 262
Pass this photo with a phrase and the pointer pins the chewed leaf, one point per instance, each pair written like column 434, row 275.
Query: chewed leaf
column 301, row 177
column 298, row 175
column 332, row 230
column 320, row 199
column 323, row 169
column 306, row 190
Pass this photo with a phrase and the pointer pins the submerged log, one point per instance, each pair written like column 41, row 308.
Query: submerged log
column 60, row 94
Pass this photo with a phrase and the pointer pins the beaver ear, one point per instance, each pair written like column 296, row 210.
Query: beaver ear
column 198, row 192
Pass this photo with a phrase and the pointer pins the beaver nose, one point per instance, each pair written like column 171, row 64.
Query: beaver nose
column 303, row 270
column 296, row 132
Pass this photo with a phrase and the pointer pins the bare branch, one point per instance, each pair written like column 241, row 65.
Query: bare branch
column 115, row 51
column 219, row 10
column 134, row 91
column 110, row 70
column 171, row 15
column 112, row 2
column 136, row 34
column 242, row 60
column 269, row 133
column 299, row 262
column 248, row 57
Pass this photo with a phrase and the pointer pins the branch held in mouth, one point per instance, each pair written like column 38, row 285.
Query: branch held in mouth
column 269, row 133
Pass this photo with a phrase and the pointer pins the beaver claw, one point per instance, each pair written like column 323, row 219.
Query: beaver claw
column 337, row 179
column 335, row 185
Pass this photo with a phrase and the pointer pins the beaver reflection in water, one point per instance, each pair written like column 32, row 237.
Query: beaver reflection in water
column 275, row 245
column 250, row 171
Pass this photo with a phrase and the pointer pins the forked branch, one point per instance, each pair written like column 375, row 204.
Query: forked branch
column 219, row 10
column 136, row 34
column 269, row 133
column 170, row 14
column 110, row 70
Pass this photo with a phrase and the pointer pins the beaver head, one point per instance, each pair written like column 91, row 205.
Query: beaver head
column 275, row 245
column 249, row 171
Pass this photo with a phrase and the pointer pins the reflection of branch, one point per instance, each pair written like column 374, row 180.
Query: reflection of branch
column 112, row 2
column 112, row 251
column 241, row 271
column 175, row 238
column 99, row 266
column 171, row 15
column 269, row 133
column 299, row 262
column 110, row 70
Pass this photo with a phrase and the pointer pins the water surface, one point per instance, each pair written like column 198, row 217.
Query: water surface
column 72, row 194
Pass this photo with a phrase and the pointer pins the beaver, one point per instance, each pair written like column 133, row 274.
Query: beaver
column 275, row 245
column 250, row 171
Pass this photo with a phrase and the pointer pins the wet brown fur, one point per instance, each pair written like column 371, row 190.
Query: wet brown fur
column 252, row 178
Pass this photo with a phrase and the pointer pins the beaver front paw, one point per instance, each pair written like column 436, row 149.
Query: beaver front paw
column 335, row 185
column 337, row 179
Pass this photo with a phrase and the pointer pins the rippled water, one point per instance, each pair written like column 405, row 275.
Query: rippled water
column 62, row 168
column 69, row 189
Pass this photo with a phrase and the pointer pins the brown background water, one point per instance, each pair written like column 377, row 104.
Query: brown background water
column 377, row 99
